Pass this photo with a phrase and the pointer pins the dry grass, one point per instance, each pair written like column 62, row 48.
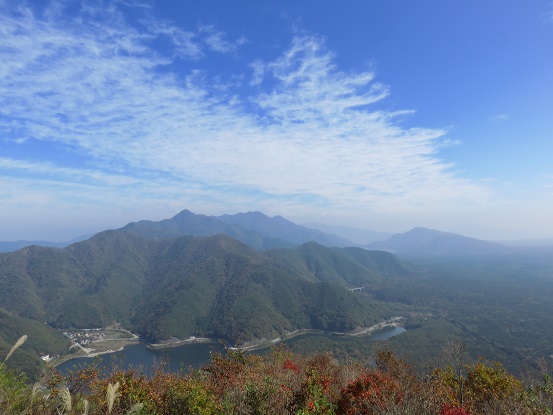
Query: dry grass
column 17, row 344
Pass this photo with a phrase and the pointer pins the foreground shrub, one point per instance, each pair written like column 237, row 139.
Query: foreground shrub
column 280, row 384
column 372, row 393
column 453, row 410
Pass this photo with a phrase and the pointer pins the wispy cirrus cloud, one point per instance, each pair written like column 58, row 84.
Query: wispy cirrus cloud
column 449, row 142
column 258, row 69
column 500, row 117
column 314, row 137
column 547, row 16
column 216, row 40
column 51, row 171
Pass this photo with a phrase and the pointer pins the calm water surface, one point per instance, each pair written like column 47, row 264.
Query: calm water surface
column 183, row 357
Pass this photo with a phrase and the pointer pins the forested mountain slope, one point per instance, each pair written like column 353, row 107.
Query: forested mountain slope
column 187, row 286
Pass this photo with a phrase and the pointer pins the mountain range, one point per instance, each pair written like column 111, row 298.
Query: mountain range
column 238, row 278
column 361, row 237
column 262, row 233
column 161, row 280
column 11, row 246
column 252, row 228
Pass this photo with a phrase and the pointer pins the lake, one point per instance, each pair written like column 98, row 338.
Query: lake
column 194, row 355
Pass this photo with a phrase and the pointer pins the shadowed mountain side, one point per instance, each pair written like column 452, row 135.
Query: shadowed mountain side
column 252, row 228
column 360, row 237
column 431, row 242
column 281, row 228
column 188, row 223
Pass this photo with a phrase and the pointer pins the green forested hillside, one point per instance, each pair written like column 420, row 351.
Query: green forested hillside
column 44, row 340
column 88, row 284
column 498, row 306
column 351, row 267
column 193, row 286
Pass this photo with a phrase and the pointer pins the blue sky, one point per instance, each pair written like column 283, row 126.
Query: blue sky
column 381, row 115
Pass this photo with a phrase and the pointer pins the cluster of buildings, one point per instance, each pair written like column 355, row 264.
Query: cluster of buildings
column 84, row 337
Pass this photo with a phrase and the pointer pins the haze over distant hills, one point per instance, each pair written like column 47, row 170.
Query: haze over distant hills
column 433, row 242
column 252, row 228
column 358, row 236
column 262, row 232
column 540, row 242
column 248, row 277
column 162, row 280
column 10, row 246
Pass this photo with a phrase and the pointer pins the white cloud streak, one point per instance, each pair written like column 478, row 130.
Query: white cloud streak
column 547, row 16
column 316, row 137
column 258, row 68
column 216, row 41
column 500, row 117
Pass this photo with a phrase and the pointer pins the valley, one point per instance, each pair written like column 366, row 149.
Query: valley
column 171, row 283
column 276, row 207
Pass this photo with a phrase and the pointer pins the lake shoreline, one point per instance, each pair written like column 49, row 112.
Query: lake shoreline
column 178, row 343
column 365, row 331
column 246, row 347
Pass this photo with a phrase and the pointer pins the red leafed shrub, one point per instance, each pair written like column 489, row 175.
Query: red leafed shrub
column 369, row 394
column 289, row 365
column 453, row 410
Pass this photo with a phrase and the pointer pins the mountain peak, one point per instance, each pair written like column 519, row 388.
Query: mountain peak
column 428, row 231
column 184, row 214
column 252, row 228
column 430, row 241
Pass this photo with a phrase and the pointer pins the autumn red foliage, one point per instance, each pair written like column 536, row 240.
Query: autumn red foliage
column 282, row 384
column 453, row 410
column 371, row 393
